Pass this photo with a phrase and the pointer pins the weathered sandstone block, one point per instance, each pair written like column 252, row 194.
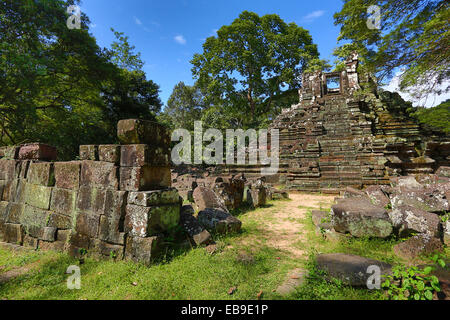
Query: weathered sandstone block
column 8, row 169
column 143, row 250
column 89, row 152
column 87, row 224
column 207, row 198
column 99, row 174
column 148, row 221
column 91, row 200
column 38, row 196
column 37, row 151
column 34, row 217
column 63, row 201
column 144, row 178
column 219, row 221
column 67, row 174
column 134, row 131
column 109, row 153
column 138, row 155
column 41, row 173
column 13, row 233
column 360, row 218
column 192, row 227
column 409, row 220
column 155, row 197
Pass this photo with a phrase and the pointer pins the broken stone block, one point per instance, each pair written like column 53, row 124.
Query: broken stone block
column 63, row 235
column 138, row 155
column 15, row 211
column 148, row 221
column 37, row 151
column 207, row 198
column 99, row 174
column 38, row 196
column 219, row 221
column 11, row 152
column 377, row 196
column 143, row 250
column 144, row 178
column 109, row 153
column 421, row 244
column 409, row 220
column 360, row 218
column 89, row 152
column 91, row 200
column 59, row 246
column 155, row 197
column 13, row 233
column 87, row 224
column 350, row 269
column 135, row 131
column 41, row 173
column 30, row 242
column 60, row 221
column 107, row 250
column 8, row 169
column 111, row 230
column 192, row 227
column 42, row 233
column 67, row 174
column 431, row 199
column 34, row 217
column 63, row 201
column 256, row 197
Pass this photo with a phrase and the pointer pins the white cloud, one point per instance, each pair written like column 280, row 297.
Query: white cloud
column 428, row 102
column 137, row 21
column 180, row 39
column 313, row 16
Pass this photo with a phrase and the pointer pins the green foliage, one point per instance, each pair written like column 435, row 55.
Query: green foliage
column 253, row 63
column 412, row 283
column 414, row 36
column 436, row 118
column 58, row 86
column 184, row 106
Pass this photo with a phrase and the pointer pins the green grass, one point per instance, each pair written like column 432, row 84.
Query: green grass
column 195, row 274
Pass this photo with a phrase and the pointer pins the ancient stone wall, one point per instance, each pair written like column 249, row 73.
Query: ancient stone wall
column 116, row 201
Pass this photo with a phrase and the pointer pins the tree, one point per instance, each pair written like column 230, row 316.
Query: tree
column 184, row 106
column 250, row 63
column 413, row 37
column 58, row 86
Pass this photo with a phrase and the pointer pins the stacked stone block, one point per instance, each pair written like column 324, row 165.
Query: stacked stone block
column 116, row 201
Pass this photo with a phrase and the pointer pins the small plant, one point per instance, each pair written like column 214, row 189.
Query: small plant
column 113, row 255
column 412, row 283
column 388, row 206
column 445, row 217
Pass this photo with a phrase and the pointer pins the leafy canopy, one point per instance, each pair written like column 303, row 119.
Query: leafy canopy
column 413, row 37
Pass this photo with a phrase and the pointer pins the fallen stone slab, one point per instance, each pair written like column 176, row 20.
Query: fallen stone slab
column 350, row 269
column 408, row 220
column 361, row 218
column 422, row 244
column 431, row 199
column 219, row 221
column 377, row 196
column 192, row 227
column 37, row 151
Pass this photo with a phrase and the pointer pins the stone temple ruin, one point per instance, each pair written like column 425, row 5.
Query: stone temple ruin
column 122, row 200
column 338, row 137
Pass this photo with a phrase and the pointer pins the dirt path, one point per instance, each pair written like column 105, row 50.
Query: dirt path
column 282, row 226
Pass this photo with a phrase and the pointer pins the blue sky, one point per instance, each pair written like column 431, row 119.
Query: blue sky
column 168, row 33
